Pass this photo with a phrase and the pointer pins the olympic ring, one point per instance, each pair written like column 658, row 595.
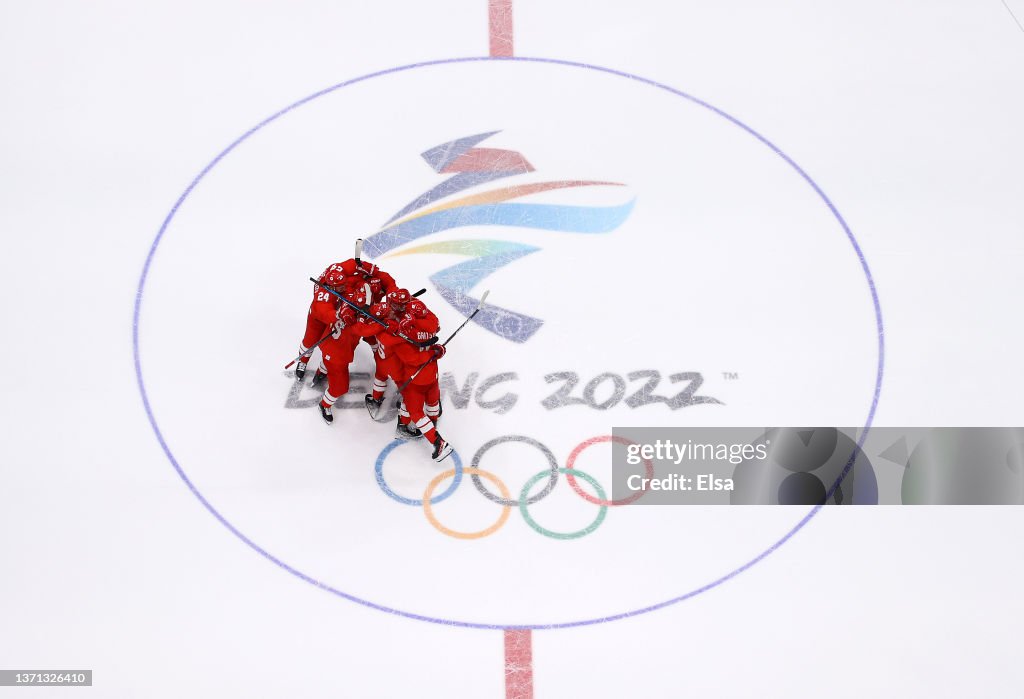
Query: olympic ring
column 379, row 469
column 552, row 462
column 562, row 535
column 525, row 500
column 571, row 461
column 505, row 510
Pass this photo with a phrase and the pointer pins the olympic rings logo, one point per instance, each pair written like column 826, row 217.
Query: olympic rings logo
column 503, row 497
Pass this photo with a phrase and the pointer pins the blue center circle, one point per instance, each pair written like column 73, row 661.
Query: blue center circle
column 140, row 293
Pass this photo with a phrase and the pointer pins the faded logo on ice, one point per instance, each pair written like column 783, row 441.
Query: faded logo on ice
column 469, row 167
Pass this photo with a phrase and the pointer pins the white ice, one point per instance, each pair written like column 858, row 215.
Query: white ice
column 907, row 116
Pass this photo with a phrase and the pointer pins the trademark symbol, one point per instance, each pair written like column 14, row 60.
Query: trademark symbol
column 730, row 375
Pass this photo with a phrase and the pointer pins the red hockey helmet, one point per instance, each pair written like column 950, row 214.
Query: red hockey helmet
column 356, row 296
column 383, row 311
column 333, row 278
column 398, row 299
column 417, row 309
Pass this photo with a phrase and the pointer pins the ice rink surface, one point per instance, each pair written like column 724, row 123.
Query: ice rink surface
column 798, row 214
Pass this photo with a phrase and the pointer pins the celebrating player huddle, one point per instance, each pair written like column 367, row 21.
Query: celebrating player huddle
column 356, row 301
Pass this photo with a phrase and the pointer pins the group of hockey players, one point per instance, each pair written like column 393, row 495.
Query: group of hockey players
column 355, row 301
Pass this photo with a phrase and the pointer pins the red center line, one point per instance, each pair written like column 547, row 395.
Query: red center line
column 500, row 18
column 518, row 642
column 518, row 664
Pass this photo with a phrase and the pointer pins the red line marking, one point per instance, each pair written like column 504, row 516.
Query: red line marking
column 518, row 664
column 500, row 17
column 489, row 159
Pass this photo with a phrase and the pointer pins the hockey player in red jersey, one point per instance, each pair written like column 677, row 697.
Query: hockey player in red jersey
column 340, row 277
column 418, row 310
column 421, row 397
column 356, row 274
column 337, row 351
column 322, row 314
column 393, row 308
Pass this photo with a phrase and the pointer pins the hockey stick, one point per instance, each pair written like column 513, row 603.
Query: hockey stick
column 372, row 317
column 359, row 252
column 309, row 351
column 445, row 343
column 319, row 342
